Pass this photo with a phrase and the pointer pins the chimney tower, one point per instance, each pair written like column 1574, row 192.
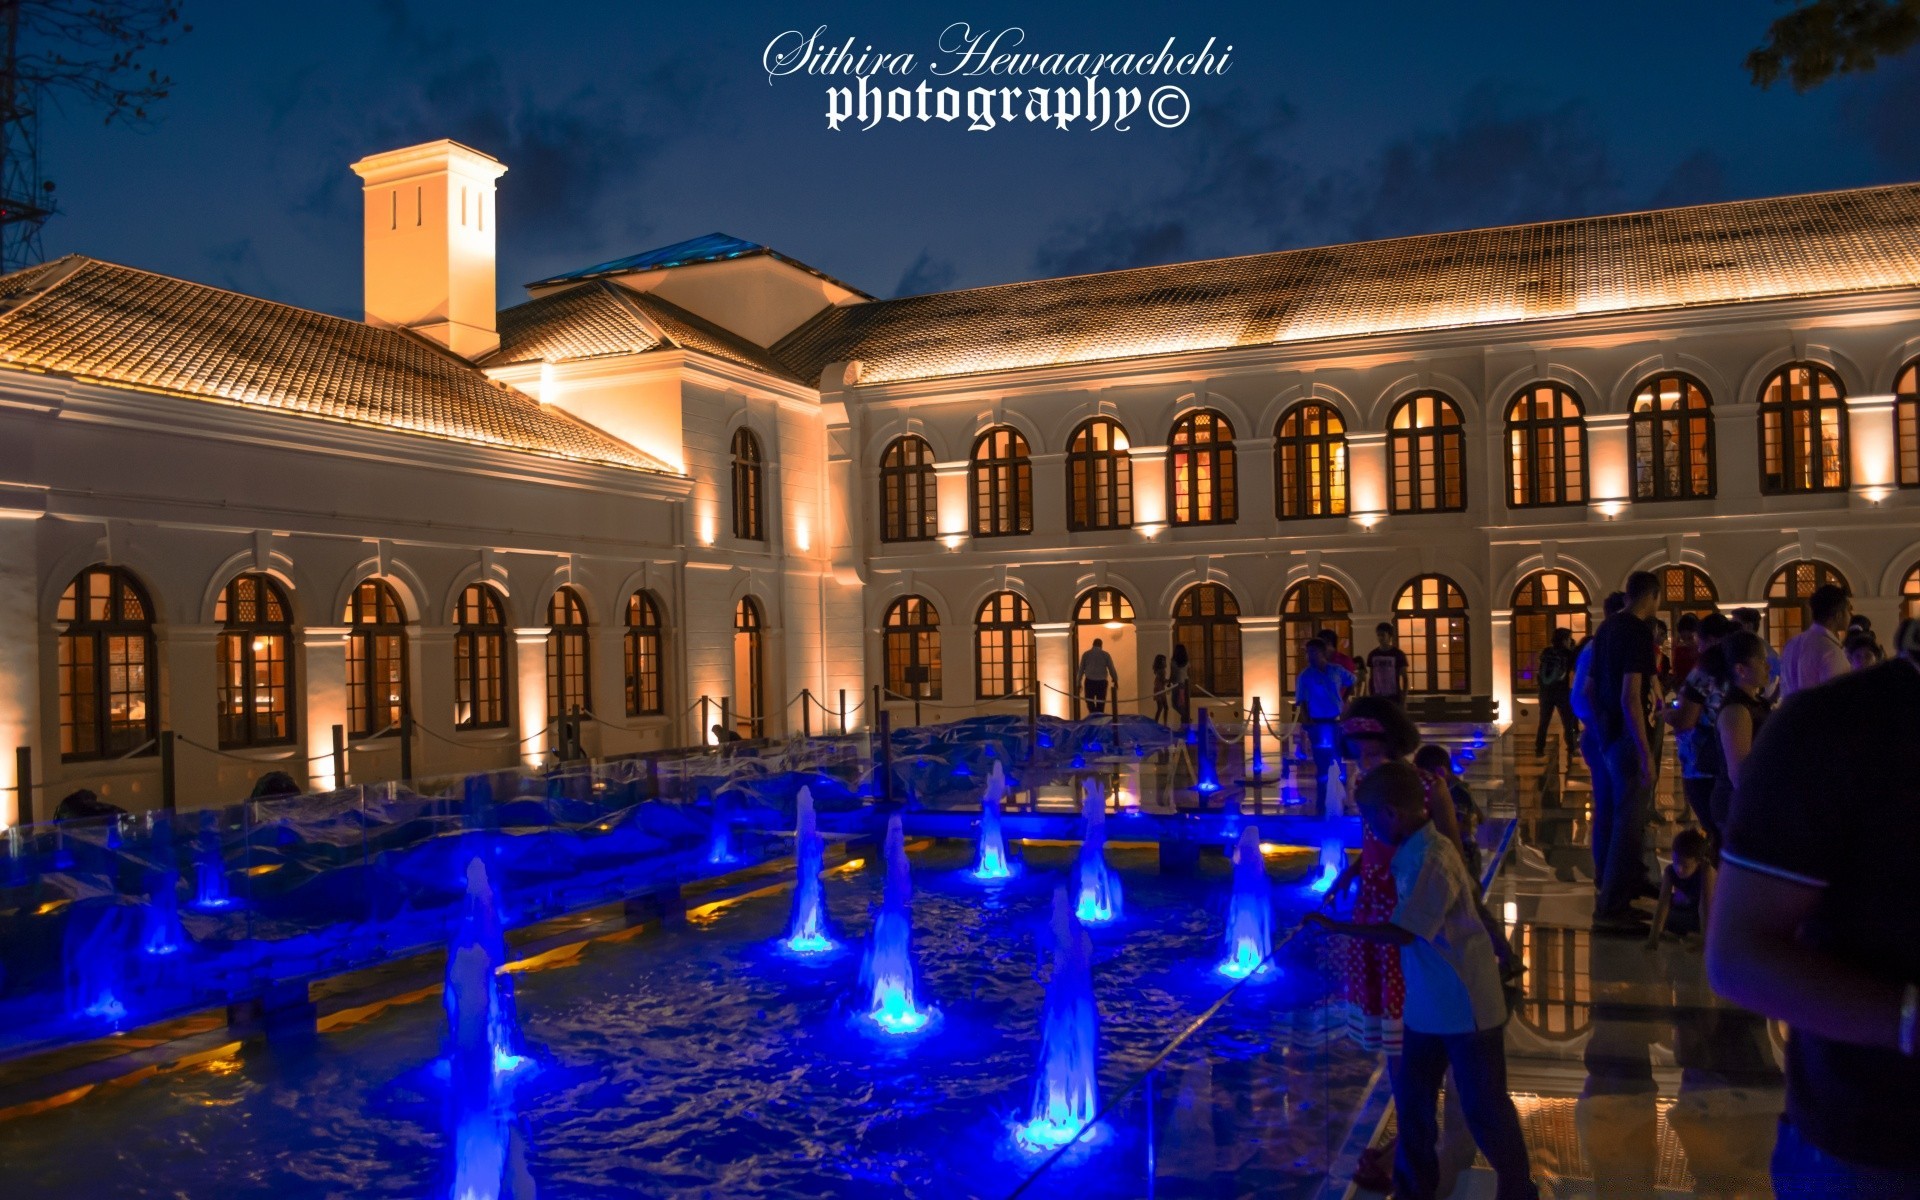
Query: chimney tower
column 430, row 225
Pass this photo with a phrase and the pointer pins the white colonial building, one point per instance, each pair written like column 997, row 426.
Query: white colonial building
column 709, row 474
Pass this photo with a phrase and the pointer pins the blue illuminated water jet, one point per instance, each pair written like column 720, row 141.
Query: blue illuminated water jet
column 210, row 890
column 1334, row 803
column 160, row 932
column 807, row 930
column 1249, row 938
column 483, row 1036
column 1097, row 899
column 990, row 864
column 888, row 973
column 1333, row 860
column 1206, row 753
column 720, row 839
column 1066, row 1085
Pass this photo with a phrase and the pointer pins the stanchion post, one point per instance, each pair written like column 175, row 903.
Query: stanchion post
column 1033, row 725
column 406, row 746
column 706, row 726
column 23, row 778
column 884, row 727
column 843, row 712
column 169, row 788
column 806, row 712
column 339, row 756
column 726, row 716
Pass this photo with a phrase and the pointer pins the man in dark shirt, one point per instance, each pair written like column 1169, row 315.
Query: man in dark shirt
column 1625, row 659
column 1387, row 666
column 1814, row 924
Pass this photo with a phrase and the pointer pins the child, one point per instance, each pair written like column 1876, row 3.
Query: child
column 1160, row 688
column 1435, row 760
column 1686, row 888
column 1455, row 1009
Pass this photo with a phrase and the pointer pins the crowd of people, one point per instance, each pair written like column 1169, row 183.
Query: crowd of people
column 1801, row 774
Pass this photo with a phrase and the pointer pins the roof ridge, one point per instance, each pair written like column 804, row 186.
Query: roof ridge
column 1383, row 241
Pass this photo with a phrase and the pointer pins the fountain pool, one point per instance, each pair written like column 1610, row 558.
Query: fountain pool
column 706, row 1060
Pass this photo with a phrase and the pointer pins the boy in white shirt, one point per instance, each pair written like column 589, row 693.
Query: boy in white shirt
column 1455, row 1008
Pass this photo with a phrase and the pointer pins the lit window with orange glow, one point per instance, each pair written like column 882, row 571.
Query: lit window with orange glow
column 1003, row 647
column 1002, row 484
column 749, row 488
column 255, row 669
column 1906, row 424
column 643, row 650
column 1099, row 477
column 1430, row 616
column 1310, row 462
column 567, row 679
column 1206, row 620
column 1308, row 607
column 1546, row 448
column 1201, row 478
column 376, row 660
column 1426, row 455
column 1103, row 609
column 910, row 649
column 1686, row 590
column 1803, row 431
column 1544, row 601
column 1787, row 595
column 1672, row 440
column 908, row 491
column 108, row 691
column 479, row 659
column 1910, row 594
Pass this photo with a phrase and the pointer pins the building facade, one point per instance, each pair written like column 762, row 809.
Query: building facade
column 710, row 485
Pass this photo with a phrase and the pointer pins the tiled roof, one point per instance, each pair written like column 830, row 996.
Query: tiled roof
column 106, row 323
column 1837, row 242
column 600, row 317
column 708, row 247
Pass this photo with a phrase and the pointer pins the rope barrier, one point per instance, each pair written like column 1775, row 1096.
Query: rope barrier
column 258, row 762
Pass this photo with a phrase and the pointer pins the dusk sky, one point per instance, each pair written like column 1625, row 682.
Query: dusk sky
column 627, row 125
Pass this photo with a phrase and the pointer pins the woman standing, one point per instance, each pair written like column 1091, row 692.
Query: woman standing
column 1179, row 684
column 1160, row 688
column 1739, row 665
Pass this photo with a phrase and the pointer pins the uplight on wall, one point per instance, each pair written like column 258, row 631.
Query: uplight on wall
column 1369, row 521
column 802, row 534
column 1876, row 496
column 1150, row 529
column 706, row 528
column 1610, row 509
column 953, row 541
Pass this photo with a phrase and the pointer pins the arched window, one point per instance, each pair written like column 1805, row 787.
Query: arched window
column 1099, row 477
column 645, row 695
column 1906, row 424
column 255, row 662
column 376, row 660
column 1544, row 601
column 1202, row 486
column 1684, row 590
column 1910, row 594
column 479, row 659
column 909, row 511
column 567, row 677
column 1430, row 614
column 1003, row 647
column 1002, row 484
column 1426, row 455
column 1546, row 448
column 749, row 494
column 1308, row 607
column 109, row 692
column 1787, row 594
column 1310, row 462
column 749, row 670
column 1206, row 620
column 1672, row 440
column 1803, row 431
column 911, row 651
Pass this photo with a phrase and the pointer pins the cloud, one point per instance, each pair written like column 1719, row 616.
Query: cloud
column 926, row 274
column 1495, row 165
column 1701, row 178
